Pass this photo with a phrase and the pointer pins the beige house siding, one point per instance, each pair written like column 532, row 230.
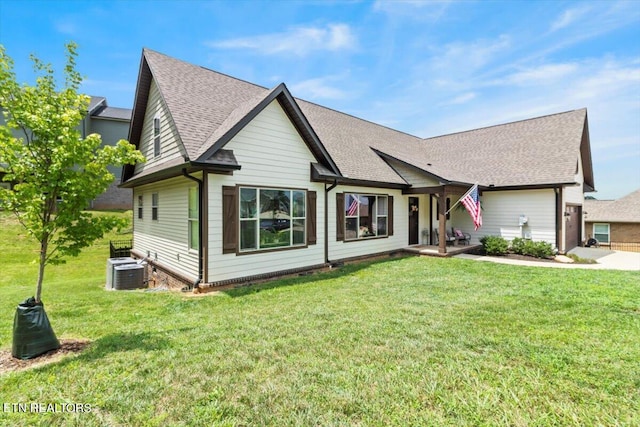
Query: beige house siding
column 170, row 147
column 272, row 154
column 165, row 240
column 349, row 249
column 501, row 212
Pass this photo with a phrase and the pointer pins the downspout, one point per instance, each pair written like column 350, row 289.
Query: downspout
column 200, row 210
column 326, row 219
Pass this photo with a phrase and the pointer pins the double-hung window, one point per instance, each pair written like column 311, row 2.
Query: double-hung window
column 365, row 216
column 272, row 218
column 140, row 206
column 154, row 206
column 601, row 232
column 156, row 136
column 194, row 223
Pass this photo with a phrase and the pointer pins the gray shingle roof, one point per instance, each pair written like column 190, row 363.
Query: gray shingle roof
column 626, row 209
column 205, row 105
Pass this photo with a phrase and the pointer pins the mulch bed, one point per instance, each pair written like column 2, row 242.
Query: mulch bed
column 8, row 363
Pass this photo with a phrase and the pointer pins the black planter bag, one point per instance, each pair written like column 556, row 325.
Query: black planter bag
column 32, row 332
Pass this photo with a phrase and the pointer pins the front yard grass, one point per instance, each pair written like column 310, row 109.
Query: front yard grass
column 410, row 341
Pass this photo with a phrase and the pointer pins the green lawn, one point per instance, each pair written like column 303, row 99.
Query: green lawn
column 411, row 341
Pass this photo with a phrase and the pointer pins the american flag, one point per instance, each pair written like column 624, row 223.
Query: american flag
column 471, row 202
column 352, row 210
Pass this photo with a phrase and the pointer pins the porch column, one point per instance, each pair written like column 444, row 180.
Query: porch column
column 442, row 222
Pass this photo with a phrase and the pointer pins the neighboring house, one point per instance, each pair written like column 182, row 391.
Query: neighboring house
column 243, row 182
column 614, row 223
column 113, row 125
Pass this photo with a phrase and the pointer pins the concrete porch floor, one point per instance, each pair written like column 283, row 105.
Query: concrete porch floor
column 432, row 250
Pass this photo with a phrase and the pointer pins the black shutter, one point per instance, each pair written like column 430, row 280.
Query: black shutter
column 311, row 218
column 229, row 220
column 339, row 216
column 390, row 216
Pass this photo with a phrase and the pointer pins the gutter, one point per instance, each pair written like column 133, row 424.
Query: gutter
column 326, row 218
column 196, row 285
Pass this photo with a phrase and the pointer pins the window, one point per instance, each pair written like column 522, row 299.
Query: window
column 272, row 218
column 601, row 233
column 156, row 136
column 365, row 216
column 154, row 206
column 194, row 223
column 140, row 206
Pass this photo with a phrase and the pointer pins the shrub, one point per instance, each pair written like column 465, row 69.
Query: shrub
column 530, row 248
column 494, row 245
column 518, row 245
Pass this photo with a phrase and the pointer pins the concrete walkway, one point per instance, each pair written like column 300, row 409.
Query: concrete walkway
column 606, row 260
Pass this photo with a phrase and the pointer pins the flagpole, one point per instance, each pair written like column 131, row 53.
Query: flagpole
column 463, row 196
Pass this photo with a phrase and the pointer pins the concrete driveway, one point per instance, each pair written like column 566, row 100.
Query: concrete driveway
column 607, row 260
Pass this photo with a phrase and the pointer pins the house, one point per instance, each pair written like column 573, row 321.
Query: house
column 614, row 223
column 243, row 182
column 112, row 124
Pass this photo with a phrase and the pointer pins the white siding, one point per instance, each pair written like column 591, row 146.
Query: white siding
column 412, row 176
column 271, row 153
column 400, row 239
column 501, row 212
column 170, row 148
column 166, row 239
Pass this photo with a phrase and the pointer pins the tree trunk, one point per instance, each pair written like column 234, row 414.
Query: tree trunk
column 44, row 243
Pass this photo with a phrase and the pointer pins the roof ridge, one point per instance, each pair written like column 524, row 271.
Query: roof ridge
column 504, row 124
column 358, row 118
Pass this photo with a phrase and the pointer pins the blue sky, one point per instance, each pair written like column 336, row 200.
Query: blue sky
column 426, row 68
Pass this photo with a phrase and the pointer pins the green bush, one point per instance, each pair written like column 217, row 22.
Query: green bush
column 494, row 245
column 539, row 249
column 518, row 246
column 522, row 246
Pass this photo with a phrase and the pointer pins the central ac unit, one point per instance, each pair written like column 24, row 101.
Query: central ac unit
column 112, row 263
column 128, row 276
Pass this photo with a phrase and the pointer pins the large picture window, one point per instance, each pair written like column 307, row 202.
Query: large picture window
column 365, row 216
column 272, row 218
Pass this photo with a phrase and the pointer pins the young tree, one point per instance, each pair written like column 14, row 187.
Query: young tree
column 56, row 172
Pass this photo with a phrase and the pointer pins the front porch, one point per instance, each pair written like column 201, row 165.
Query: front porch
column 434, row 250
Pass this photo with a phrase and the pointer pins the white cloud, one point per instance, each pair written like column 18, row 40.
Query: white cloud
column 461, row 99
column 298, row 41
column 431, row 10
column 318, row 88
column 547, row 73
column 569, row 17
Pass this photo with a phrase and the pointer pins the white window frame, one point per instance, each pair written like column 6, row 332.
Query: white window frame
column 193, row 221
column 155, row 206
column 357, row 215
column 256, row 219
column 157, row 148
column 608, row 233
column 140, row 206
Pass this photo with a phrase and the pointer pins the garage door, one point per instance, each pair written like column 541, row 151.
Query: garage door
column 573, row 229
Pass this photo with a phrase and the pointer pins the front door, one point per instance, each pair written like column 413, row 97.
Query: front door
column 573, row 230
column 413, row 221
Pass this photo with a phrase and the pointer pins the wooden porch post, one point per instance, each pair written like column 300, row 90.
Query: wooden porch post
column 442, row 222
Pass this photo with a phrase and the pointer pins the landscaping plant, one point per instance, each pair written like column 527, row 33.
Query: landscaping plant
column 54, row 171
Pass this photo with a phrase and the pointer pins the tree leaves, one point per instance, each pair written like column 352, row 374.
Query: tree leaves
column 56, row 171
